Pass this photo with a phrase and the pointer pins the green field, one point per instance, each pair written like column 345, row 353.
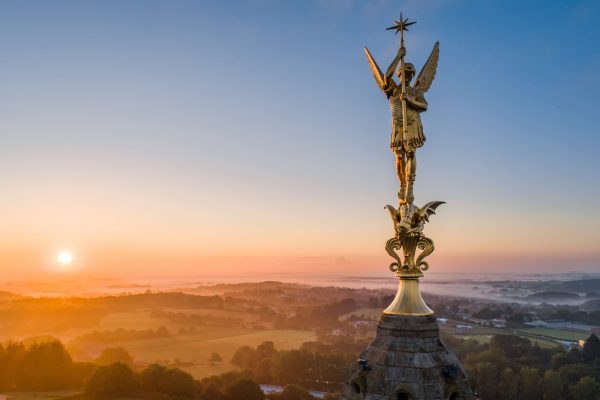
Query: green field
column 549, row 344
column 53, row 395
column 191, row 351
column 370, row 313
column 555, row 333
column 481, row 339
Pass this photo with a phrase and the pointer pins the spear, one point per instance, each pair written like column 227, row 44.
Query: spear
column 401, row 26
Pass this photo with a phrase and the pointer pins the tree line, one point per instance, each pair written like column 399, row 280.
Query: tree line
column 122, row 335
column 511, row 367
column 47, row 365
column 314, row 365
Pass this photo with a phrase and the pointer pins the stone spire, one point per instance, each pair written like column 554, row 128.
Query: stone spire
column 406, row 361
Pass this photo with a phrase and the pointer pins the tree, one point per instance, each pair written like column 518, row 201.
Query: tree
column 487, row 313
column 180, row 383
column 529, row 384
column 552, row 386
column 265, row 350
column 215, row 358
column 294, row 392
column 571, row 374
column 11, row 360
column 110, row 381
column 262, row 371
column 112, row 355
column 508, row 386
column 212, row 392
column 244, row 389
column 162, row 332
column 586, row 389
column 245, row 357
column 591, row 348
column 484, row 378
column 173, row 381
column 512, row 346
column 150, row 379
column 563, row 314
column 46, row 366
column 560, row 359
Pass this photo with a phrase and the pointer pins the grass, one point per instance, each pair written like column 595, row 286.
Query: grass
column 481, row 339
column 134, row 320
column 190, row 352
column 51, row 395
column 484, row 335
column 241, row 315
column 549, row 344
column 370, row 313
column 555, row 333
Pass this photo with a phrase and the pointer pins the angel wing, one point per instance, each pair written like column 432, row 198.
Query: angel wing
column 395, row 214
column 425, row 78
column 377, row 74
column 429, row 209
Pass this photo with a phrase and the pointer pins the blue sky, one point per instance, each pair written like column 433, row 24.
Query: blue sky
column 171, row 128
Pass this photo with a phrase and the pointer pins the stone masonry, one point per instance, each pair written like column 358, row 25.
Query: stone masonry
column 406, row 361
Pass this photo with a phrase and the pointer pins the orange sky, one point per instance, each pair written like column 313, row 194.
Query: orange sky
column 203, row 138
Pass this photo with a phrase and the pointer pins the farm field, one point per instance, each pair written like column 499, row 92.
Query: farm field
column 190, row 352
column 555, row 333
column 542, row 342
column 51, row 395
column 481, row 339
column 371, row 313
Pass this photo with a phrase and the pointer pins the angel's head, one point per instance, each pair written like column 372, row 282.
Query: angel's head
column 409, row 70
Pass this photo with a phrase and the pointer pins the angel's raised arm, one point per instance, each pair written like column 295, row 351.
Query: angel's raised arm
column 389, row 74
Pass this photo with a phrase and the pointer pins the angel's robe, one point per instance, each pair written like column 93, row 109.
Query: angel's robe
column 415, row 137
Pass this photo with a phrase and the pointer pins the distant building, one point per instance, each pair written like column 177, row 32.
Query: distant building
column 557, row 323
column 442, row 320
column 551, row 323
column 361, row 322
column 499, row 323
column 481, row 322
column 567, row 344
column 462, row 327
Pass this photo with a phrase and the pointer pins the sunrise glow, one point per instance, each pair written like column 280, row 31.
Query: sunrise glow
column 64, row 258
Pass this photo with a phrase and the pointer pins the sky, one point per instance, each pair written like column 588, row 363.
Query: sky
column 248, row 138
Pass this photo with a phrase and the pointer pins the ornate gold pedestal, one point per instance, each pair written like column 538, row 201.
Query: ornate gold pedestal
column 408, row 300
column 409, row 221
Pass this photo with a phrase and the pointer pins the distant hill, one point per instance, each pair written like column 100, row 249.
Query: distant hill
column 553, row 295
column 591, row 305
column 581, row 285
column 7, row 296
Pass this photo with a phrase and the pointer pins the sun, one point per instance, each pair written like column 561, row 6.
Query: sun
column 64, row 257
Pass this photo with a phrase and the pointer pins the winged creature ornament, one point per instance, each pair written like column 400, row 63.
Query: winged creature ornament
column 409, row 219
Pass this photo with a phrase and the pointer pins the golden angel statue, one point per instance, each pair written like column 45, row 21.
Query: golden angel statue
column 406, row 103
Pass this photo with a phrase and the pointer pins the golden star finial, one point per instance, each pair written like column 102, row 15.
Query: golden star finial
column 401, row 25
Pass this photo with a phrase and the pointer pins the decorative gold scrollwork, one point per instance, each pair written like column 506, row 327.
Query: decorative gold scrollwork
column 391, row 246
column 426, row 245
